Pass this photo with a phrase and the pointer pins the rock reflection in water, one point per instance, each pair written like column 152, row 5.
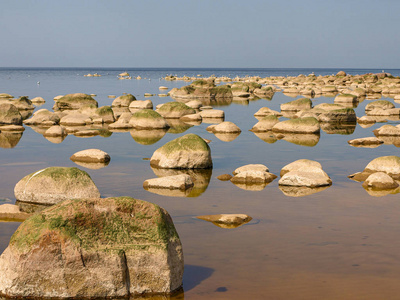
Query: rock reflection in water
column 267, row 137
column 177, row 126
column 232, row 222
column 92, row 165
column 55, row 139
column 147, row 137
column 200, row 177
column 30, row 207
column 308, row 140
column 380, row 193
column 240, row 101
column 212, row 120
column 227, row 137
column 300, row 191
column 344, row 129
column 254, row 187
column 9, row 139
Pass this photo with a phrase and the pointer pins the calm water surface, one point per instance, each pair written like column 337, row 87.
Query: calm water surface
column 339, row 243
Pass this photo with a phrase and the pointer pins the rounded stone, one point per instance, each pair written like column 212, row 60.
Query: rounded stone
column 123, row 101
column 380, row 181
column 299, row 125
column 148, row 119
column 306, row 176
column 175, row 110
column 300, row 163
column 226, row 127
column 9, row 115
column 91, row 156
column 297, row 105
column 55, row 130
column 180, row 182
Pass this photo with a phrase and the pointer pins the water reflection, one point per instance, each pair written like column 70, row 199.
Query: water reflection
column 200, row 177
column 30, row 208
column 55, row 139
column 9, row 139
column 177, row 126
column 227, row 137
column 344, row 129
column 300, row 191
column 267, row 137
column 308, row 140
column 380, row 193
column 147, row 137
column 92, row 165
column 254, row 187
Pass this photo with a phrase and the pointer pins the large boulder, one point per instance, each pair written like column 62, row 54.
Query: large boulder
column 9, row 115
column 344, row 115
column 300, row 163
column 300, row 125
column 297, row 105
column 148, row 119
column 387, row 164
column 225, row 127
column 22, row 103
column 74, row 101
column 43, row 117
column 379, row 104
column 265, row 124
column 380, row 181
column 306, row 176
column 93, row 248
column 187, row 152
column 52, row 185
column 91, row 156
column 123, row 101
column 387, row 130
column 175, row 110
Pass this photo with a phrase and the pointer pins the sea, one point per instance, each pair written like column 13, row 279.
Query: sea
column 338, row 242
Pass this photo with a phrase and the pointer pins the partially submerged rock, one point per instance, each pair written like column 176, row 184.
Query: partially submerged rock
column 179, row 182
column 187, row 152
column 12, row 213
column 74, row 101
column 93, row 248
column 225, row 127
column 227, row 220
column 298, row 164
column 123, row 100
column 380, row 181
column 387, row 164
column 55, row 131
column 311, row 176
column 297, row 105
column 265, row 124
column 9, row 115
column 368, row 141
column 253, row 177
column 91, row 156
column 147, row 119
column 52, row 185
column 43, row 117
column 175, row 110
column 387, row 130
column 300, row 125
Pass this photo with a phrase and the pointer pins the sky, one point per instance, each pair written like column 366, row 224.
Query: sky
column 202, row 33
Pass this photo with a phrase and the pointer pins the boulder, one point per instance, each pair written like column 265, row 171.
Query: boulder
column 365, row 141
column 379, row 104
column 55, row 131
column 306, row 176
column 297, row 105
column 12, row 213
column 300, row 125
column 265, row 124
column 43, row 117
column 196, row 104
column 74, row 101
column 253, row 177
column 148, row 119
column 93, row 248
column 251, row 167
column 193, row 118
column 9, row 115
column 212, row 114
column 52, row 185
column 224, row 177
column 38, row 100
column 341, row 73
column 225, row 127
column 187, row 152
column 123, row 101
column 22, row 103
column 345, row 98
column 122, row 122
column 140, row 104
column 105, row 114
column 175, row 110
column 387, row 130
column 344, row 115
column 266, row 111
column 380, row 181
column 227, row 220
column 180, row 182
column 76, row 119
column 300, row 163
column 387, row 164
column 91, row 156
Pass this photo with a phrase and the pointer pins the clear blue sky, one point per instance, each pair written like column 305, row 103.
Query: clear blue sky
column 202, row 33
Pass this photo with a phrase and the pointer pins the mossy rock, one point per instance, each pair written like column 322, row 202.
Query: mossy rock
column 123, row 101
column 203, row 83
column 297, row 105
column 343, row 115
column 9, row 115
column 175, row 110
column 187, row 152
column 148, row 119
column 221, row 91
column 300, row 125
column 54, row 184
column 379, row 104
column 94, row 248
column 74, row 101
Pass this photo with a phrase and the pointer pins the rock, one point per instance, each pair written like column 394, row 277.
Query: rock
column 300, row 125
column 22, row 103
column 140, row 104
column 387, row 130
column 180, row 182
column 225, row 127
column 9, row 115
column 76, row 119
column 91, row 156
column 52, row 185
column 341, row 73
column 74, row 101
column 380, row 181
column 123, row 101
column 297, row 105
column 298, row 164
column 122, row 122
column 12, row 213
column 345, row 98
column 175, row 110
column 227, row 220
column 37, row 100
column 163, row 88
column 212, row 114
column 191, row 118
column 14, row 128
column 306, row 176
column 94, row 248
column 55, row 131
column 5, row 95
column 43, row 117
column 388, row 164
column 380, row 104
column 329, row 89
column 224, row 177
column 105, row 113
column 265, row 111
column 196, row 104
column 251, row 167
column 344, row 115
column 366, row 120
column 148, row 119
column 187, row 152
column 265, row 124
column 253, row 177
column 365, row 141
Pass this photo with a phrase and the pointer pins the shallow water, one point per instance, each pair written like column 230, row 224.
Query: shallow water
column 337, row 243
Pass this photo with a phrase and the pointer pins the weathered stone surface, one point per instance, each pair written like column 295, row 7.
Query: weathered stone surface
column 344, row 115
column 387, row 164
column 38, row 100
column 140, row 104
column 387, row 130
column 52, row 185
column 266, row 111
column 365, row 141
column 180, row 182
column 91, row 156
column 22, row 103
column 55, row 131
column 265, row 124
column 14, row 128
column 148, row 119
column 212, row 113
column 297, row 105
column 226, row 127
column 122, row 122
column 227, row 220
column 300, row 125
column 12, row 213
column 76, row 119
column 196, row 104
column 74, row 101
column 191, row 118
column 103, row 114
column 224, row 177
column 253, row 177
column 93, row 248
column 345, row 98
column 9, row 115
column 251, row 167
column 187, row 152
column 123, row 101
column 175, row 110
column 43, row 117
column 380, row 104
column 306, row 176
column 366, row 120
column 300, row 163
column 380, row 181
